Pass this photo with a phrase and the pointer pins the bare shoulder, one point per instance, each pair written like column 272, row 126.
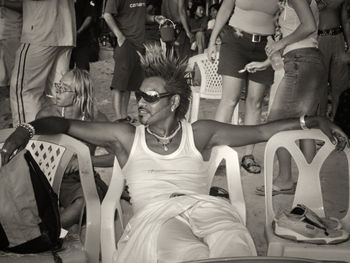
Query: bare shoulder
column 203, row 131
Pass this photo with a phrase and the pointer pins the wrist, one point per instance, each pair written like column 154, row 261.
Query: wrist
column 28, row 128
column 310, row 122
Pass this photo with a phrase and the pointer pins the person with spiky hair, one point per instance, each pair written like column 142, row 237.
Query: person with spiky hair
column 163, row 161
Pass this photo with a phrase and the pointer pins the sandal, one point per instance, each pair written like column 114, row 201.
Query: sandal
column 250, row 165
column 260, row 190
column 218, row 191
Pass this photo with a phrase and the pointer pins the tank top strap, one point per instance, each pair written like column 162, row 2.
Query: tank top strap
column 189, row 144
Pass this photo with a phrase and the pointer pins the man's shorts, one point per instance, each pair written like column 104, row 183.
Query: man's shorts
column 237, row 51
column 128, row 74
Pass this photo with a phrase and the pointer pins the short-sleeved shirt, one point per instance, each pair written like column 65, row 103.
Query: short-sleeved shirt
column 84, row 9
column 49, row 22
column 130, row 17
column 200, row 23
column 10, row 23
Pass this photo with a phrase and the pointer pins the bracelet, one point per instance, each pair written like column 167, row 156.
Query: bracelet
column 28, row 127
column 303, row 123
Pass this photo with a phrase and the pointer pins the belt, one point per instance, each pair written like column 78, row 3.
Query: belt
column 256, row 38
column 330, row 32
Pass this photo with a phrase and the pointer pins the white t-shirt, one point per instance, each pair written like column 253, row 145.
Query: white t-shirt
column 10, row 23
column 49, row 22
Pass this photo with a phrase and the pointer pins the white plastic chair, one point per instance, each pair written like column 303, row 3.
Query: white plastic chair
column 53, row 153
column 211, row 85
column 308, row 192
column 111, row 203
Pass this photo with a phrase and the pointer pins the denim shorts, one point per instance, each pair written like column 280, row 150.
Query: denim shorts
column 301, row 87
column 237, row 51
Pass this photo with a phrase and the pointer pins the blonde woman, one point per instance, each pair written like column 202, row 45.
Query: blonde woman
column 74, row 100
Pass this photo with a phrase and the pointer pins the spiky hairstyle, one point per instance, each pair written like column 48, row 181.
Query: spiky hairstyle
column 172, row 70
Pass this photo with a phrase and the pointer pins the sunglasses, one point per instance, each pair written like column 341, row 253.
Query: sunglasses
column 61, row 88
column 151, row 96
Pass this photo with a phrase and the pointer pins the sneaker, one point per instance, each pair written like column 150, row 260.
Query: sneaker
column 298, row 227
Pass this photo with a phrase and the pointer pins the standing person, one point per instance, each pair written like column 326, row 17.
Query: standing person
column 163, row 161
column 304, row 79
column 128, row 25
column 85, row 14
column 333, row 40
column 175, row 10
column 243, row 41
column 10, row 33
column 48, row 36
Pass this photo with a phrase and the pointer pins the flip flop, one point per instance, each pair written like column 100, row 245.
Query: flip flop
column 276, row 190
column 218, row 191
column 250, row 165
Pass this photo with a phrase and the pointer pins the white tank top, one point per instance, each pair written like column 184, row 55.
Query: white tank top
column 255, row 16
column 289, row 21
column 154, row 177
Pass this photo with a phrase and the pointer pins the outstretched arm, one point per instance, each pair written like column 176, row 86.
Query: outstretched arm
column 211, row 133
column 98, row 133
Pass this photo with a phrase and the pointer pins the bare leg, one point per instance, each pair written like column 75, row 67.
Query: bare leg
column 231, row 91
column 120, row 103
column 284, row 179
column 200, row 39
column 253, row 107
column 71, row 214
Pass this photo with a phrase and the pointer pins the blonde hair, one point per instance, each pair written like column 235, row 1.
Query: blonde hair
column 83, row 89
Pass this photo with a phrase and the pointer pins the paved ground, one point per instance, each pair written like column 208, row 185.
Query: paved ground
column 334, row 172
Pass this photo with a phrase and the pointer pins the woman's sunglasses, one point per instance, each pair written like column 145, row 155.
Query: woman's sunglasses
column 151, row 96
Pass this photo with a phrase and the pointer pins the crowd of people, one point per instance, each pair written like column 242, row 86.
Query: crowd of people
column 45, row 51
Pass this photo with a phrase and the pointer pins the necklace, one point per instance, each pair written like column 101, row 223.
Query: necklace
column 165, row 140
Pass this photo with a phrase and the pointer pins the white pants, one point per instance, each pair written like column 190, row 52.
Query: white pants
column 197, row 234
column 36, row 69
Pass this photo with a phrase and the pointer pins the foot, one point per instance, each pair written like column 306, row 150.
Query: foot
column 250, row 165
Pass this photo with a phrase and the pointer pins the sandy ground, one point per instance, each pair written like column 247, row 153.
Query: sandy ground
column 334, row 172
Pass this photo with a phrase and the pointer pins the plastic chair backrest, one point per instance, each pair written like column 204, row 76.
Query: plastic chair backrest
column 53, row 153
column 211, row 81
column 210, row 87
column 309, row 173
column 111, row 201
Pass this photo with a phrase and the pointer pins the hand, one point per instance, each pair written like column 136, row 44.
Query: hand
column 121, row 39
column 159, row 19
column 211, row 52
column 73, row 165
column 255, row 66
column 273, row 46
column 16, row 141
column 190, row 36
column 334, row 133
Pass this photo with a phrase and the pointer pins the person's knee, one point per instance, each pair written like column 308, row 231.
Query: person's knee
column 229, row 102
column 254, row 102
